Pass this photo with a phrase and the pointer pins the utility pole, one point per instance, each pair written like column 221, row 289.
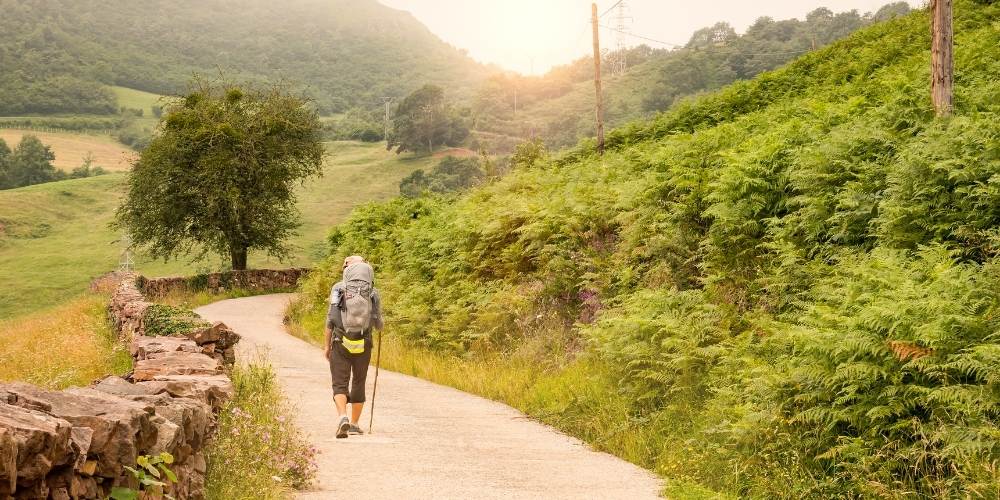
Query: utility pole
column 942, row 57
column 597, row 79
column 385, row 123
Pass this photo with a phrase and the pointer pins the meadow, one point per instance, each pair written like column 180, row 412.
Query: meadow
column 71, row 148
column 54, row 238
column 138, row 99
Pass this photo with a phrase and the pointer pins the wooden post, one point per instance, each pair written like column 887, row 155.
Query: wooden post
column 597, row 80
column 942, row 57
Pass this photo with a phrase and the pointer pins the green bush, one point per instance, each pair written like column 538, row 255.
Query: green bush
column 164, row 320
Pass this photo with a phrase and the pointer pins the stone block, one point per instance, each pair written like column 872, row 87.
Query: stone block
column 208, row 334
column 40, row 443
column 175, row 363
column 8, row 462
column 212, row 390
column 122, row 429
column 144, row 347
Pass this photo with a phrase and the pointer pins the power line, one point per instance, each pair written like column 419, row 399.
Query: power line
column 611, row 8
column 642, row 37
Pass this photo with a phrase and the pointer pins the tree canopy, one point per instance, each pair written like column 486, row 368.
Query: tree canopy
column 221, row 175
column 425, row 120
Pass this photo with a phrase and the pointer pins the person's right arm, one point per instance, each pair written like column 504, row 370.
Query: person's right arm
column 328, row 332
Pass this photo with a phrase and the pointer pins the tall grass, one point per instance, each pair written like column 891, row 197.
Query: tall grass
column 73, row 344
column 257, row 453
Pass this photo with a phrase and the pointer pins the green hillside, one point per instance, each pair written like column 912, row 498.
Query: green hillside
column 559, row 106
column 784, row 289
column 60, row 56
column 54, row 238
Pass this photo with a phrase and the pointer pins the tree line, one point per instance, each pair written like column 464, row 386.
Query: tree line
column 30, row 162
column 59, row 56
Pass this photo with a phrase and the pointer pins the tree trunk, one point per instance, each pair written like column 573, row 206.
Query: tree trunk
column 942, row 58
column 238, row 258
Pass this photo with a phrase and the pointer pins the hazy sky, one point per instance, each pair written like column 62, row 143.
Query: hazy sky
column 534, row 35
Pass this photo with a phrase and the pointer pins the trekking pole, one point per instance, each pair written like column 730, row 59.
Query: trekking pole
column 378, row 359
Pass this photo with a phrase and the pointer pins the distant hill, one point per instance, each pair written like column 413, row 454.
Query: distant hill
column 558, row 106
column 60, row 56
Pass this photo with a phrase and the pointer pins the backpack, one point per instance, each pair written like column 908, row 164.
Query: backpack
column 356, row 301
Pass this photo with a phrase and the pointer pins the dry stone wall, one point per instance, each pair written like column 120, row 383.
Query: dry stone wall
column 251, row 279
column 76, row 443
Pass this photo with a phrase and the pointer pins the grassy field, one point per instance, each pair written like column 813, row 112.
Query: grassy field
column 70, row 148
column 80, row 327
column 137, row 99
column 54, row 238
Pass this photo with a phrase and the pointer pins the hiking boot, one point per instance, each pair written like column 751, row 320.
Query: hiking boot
column 355, row 430
column 343, row 427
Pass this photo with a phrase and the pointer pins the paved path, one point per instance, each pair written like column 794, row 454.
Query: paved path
column 430, row 441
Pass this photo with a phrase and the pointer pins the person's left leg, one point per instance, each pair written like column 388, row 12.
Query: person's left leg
column 359, row 373
column 340, row 371
column 356, row 409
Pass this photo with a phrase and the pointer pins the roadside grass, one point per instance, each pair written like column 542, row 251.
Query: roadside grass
column 257, row 453
column 54, row 237
column 69, row 345
column 70, row 148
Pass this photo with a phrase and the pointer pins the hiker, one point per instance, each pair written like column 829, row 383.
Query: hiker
column 354, row 310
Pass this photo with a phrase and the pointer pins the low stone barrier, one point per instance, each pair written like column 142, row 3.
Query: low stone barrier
column 76, row 443
column 251, row 279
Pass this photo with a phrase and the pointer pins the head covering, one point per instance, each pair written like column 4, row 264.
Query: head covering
column 359, row 271
column 353, row 259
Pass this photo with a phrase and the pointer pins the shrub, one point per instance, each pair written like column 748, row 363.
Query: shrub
column 165, row 320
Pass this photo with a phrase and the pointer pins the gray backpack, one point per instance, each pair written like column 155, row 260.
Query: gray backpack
column 356, row 308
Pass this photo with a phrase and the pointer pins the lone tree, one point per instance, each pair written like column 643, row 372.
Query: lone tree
column 220, row 176
column 424, row 120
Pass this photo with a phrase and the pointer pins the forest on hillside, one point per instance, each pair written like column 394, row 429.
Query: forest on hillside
column 558, row 106
column 787, row 288
column 58, row 56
